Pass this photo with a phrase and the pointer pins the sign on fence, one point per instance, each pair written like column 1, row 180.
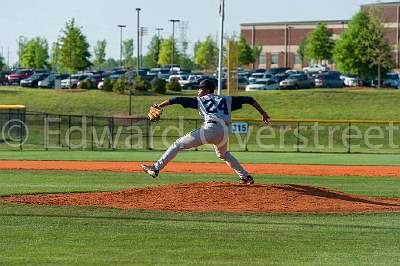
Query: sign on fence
column 240, row 128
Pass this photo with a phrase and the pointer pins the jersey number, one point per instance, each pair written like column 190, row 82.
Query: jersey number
column 212, row 107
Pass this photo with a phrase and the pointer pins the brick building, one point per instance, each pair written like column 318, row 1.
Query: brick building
column 280, row 40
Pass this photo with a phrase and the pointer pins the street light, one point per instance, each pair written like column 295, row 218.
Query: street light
column 120, row 50
column 138, row 41
column 173, row 39
column 159, row 30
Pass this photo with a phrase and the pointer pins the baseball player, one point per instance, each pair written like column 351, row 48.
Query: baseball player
column 216, row 111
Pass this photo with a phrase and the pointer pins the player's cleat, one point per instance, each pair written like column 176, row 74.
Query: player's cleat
column 150, row 170
column 246, row 181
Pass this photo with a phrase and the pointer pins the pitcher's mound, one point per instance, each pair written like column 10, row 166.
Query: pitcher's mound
column 221, row 197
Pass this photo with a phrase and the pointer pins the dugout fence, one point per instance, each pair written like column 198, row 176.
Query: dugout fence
column 40, row 131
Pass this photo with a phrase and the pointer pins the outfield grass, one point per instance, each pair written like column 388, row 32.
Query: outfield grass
column 202, row 156
column 102, row 236
column 311, row 104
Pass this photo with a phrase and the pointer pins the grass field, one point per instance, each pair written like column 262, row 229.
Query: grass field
column 199, row 156
column 101, row 236
column 311, row 104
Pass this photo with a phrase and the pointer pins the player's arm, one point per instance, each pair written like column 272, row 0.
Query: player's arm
column 237, row 103
column 186, row 102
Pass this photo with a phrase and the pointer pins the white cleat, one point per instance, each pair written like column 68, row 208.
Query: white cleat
column 150, row 170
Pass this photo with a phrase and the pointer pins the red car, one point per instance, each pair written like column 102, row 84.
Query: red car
column 19, row 75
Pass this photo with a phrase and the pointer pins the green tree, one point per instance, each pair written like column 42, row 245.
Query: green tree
column 127, row 54
column 363, row 48
column 100, row 54
column 245, row 52
column 2, row 63
column 111, row 63
column 74, row 49
column 319, row 44
column 55, row 57
column 35, row 54
column 301, row 51
column 166, row 52
column 206, row 55
column 153, row 54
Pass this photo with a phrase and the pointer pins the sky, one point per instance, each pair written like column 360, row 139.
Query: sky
column 98, row 19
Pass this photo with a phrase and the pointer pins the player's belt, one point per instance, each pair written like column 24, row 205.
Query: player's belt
column 215, row 122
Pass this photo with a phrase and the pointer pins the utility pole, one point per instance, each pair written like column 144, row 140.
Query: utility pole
column 159, row 30
column 173, row 39
column 138, row 41
column 143, row 32
column 120, row 50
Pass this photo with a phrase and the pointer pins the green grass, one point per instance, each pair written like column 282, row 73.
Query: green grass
column 311, row 104
column 102, row 236
column 202, row 156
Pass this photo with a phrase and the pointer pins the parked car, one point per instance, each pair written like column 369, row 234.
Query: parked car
column 50, row 81
column 349, row 80
column 329, row 80
column 263, row 84
column 297, row 81
column 195, row 84
column 3, row 78
column 278, row 70
column 33, row 80
column 72, row 81
column 315, row 68
column 20, row 74
column 182, row 79
column 391, row 80
column 255, row 76
column 243, row 83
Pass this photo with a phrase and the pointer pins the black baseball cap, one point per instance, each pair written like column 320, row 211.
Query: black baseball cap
column 207, row 84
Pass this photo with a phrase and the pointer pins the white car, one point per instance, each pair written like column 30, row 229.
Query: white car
column 256, row 76
column 315, row 68
column 263, row 84
column 349, row 81
column 72, row 82
column 182, row 79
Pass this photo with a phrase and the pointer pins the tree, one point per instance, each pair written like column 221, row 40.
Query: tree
column 74, row 49
column 111, row 63
column 153, row 54
column 55, row 58
column 2, row 63
column 100, row 54
column 127, row 54
column 245, row 53
column 206, row 54
column 319, row 44
column 363, row 48
column 166, row 52
column 35, row 54
column 301, row 51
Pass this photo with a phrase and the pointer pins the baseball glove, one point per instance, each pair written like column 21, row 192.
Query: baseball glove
column 154, row 113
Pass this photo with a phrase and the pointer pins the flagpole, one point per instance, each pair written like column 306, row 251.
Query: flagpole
column 221, row 45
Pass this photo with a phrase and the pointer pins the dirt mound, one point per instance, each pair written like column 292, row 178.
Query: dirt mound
column 224, row 197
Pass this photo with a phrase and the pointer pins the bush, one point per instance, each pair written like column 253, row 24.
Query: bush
column 159, row 85
column 141, row 84
column 120, row 86
column 86, row 85
column 107, row 85
column 174, row 85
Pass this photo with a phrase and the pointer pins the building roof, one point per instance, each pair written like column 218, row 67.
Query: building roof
column 383, row 4
column 345, row 21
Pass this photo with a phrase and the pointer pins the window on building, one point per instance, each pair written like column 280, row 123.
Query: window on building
column 261, row 60
column 297, row 60
column 275, row 59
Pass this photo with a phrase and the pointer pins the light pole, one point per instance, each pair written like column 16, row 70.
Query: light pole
column 143, row 32
column 120, row 48
column 138, row 41
column 173, row 39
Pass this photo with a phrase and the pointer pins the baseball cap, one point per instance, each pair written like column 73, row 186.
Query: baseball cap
column 207, row 84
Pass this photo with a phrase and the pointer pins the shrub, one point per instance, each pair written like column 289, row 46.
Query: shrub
column 107, row 85
column 173, row 85
column 86, row 85
column 120, row 86
column 159, row 85
column 141, row 84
